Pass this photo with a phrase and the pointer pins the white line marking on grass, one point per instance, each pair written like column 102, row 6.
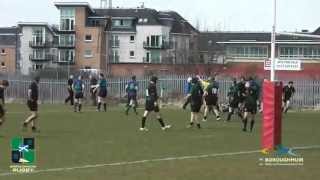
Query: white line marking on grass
column 151, row 160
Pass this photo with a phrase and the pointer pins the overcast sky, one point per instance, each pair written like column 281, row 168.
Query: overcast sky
column 230, row 15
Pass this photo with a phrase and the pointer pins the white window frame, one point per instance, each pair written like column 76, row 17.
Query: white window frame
column 88, row 40
column 134, row 54
column 134, row 39
column 88, row 55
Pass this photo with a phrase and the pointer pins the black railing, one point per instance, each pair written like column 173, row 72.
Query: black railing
column 67, row 44
column 46, row 57
column 35, row 44
column 164, row 45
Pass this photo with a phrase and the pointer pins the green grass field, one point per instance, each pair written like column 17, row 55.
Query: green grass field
column 95, row 143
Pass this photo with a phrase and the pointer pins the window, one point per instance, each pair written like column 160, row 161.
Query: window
column 67, row 40
column 131, row 38
column 122, row 23
column 3, row 51
column 3, row 64
column 37, row 66
column 115, row 41
column 247, row 51
column 88, row 53
column 88, row 37
column 115, row 56
column 310, row 52
column 67, row 19
column 131, row 54
column 37, row 35
column 66, row 55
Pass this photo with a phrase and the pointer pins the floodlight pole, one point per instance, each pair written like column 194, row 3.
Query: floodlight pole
column 273, row 42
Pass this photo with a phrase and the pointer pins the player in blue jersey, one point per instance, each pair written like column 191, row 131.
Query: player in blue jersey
column 102, row 94
column 187, row 92
column 132, row 89
column 78, row 89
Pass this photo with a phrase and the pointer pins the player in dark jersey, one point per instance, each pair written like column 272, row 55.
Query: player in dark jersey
column 3, row 86
column 102, row 94
column 288, row 92
column 250, row 107
column 196, row 101
column 33, row 95
column 211, row 99
column 78, row 89
column 70, row 91
column 93, row 93
column 152, row 105
column 132, row 89
column 241, row 93
column 233, row 97
column 256, row 89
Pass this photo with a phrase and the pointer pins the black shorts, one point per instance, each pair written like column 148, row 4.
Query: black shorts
column 2, row 112
column 79, row 95
column 32, row 105
column 195, row 105
column 150, row 106
column 251, row 108
column 132, row 97
column 234, row 103
column 285, row 100
column 102, row 93
column 211, row 100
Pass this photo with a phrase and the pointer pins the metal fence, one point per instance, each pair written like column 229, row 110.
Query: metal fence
column 171, row 88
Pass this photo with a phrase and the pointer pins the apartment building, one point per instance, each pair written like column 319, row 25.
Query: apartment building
column 38, row 50
column 104, row 37
column 82, row 44
column 8, row 49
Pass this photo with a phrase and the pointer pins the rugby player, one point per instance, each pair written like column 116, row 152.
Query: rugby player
column 3, row 86
column 33, row 95
column 78, row 88
column 102, row 94
column 250, row 107
column 233, row 97
column 187, row 92
column 70, row 91
column 152, row 105
column 288, row 92
column 132, row 89
column 196, row 98
column 211, row 99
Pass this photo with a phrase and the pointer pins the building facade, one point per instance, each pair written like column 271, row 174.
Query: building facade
column 8, row 49
column 38, row 49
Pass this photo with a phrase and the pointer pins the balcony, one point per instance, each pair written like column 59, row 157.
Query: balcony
column 46, row 57
column 115, row 43
column 64, row 60
column 66, row 45
column 164, row 45
column 35, row 44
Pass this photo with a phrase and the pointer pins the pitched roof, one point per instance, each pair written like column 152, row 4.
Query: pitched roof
column 207, row 39
column 165, row 18
column 8, row 36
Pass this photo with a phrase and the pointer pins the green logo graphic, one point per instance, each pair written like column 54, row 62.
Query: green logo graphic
column 22, row 150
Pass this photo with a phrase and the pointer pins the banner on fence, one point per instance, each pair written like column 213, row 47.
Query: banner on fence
column 283, row 65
